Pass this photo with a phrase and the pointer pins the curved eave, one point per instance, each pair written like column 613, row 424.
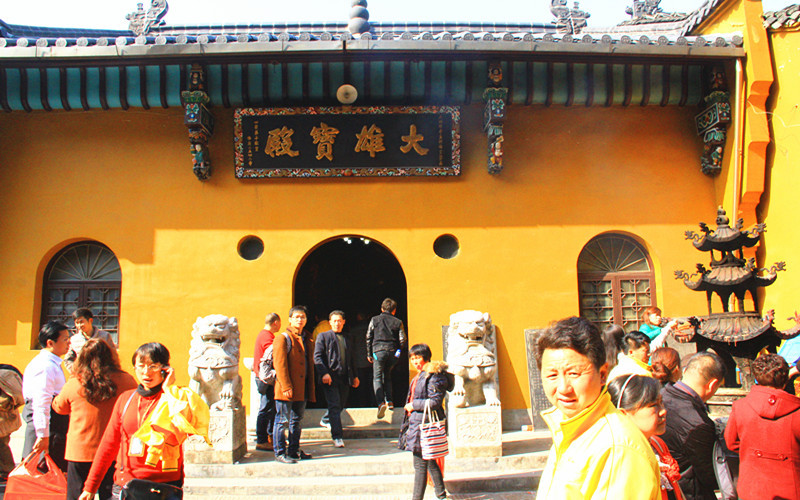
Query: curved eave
column 762, row 281
column 709, row 242
column 740, row 329
column 286, row 72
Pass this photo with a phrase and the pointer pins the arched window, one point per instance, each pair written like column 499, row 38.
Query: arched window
column 615, row 281
column 84, row 274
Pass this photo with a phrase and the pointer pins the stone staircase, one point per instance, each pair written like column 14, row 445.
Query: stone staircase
column 721, row 403
column 370, row 466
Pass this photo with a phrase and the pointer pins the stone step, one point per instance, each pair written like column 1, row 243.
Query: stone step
column 494, row 495
column 521, row 451
column 376, row 431
column 369, row 467
column 353, row 486
column 721, row 403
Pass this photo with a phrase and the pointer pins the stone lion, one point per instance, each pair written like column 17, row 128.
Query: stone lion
column 472, row 358
column 214, row 362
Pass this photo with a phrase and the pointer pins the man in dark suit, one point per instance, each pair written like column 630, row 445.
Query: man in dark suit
column 335, row 365
column 691, row 433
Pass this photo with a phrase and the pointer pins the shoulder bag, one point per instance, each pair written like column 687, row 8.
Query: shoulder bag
column 433, row 434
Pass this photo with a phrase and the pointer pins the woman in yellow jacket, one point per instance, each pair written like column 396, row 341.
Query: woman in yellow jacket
column 597, row 451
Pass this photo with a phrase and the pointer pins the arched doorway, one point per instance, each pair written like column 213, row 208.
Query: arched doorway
column 354, row 273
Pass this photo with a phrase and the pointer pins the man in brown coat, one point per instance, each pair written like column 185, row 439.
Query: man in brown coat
column 293, row 359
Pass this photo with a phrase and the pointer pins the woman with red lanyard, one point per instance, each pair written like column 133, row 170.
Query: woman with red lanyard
column 639, row 397
column 132, row 410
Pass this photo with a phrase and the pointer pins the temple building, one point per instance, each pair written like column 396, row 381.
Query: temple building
column 532, row 170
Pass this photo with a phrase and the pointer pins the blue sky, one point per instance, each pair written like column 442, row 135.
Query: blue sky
column 110, row 14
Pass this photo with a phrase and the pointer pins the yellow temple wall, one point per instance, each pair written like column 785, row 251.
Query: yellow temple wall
column 778, row 208
column 741, row 183
column 124, row 179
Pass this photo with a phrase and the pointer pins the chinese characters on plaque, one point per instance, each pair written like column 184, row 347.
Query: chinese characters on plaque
column 356, row 141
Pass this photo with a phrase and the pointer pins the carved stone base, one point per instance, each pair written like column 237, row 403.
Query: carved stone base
column 476, row 431
column 227, row 431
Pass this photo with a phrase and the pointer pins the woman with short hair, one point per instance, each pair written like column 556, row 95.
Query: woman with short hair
column 615, row 459
column 764, row 428
column 141, row 431
column 428, row 388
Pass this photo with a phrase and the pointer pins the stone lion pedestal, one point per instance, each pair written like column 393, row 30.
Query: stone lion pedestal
column 473, row 409
column 227, row 430
column 214, row 374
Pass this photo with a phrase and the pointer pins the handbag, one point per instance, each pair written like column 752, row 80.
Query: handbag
column 433, row 434
column 26, row 481
column 142, row 489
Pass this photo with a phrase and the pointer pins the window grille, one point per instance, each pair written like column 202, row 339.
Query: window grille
column 84, row 274
column 615, row 279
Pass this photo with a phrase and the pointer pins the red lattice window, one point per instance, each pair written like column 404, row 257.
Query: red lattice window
column 615, row 279
column 84, row 274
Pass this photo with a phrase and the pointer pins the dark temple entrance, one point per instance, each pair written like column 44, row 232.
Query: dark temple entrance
column 354, row 273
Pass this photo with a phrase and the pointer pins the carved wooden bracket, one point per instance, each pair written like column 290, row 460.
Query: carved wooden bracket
column 494, row 116
column 713, row 122
column 199, row 120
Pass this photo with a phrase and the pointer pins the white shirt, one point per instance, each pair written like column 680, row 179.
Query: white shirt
column 78, row 340
column 41, row 382
column 628, row 366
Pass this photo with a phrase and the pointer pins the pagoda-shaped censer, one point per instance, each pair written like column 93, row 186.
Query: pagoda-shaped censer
column 738, row 336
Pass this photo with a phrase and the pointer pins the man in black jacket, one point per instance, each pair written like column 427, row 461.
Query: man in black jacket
column 336, row 367
column 386, row 337
column 691, row 434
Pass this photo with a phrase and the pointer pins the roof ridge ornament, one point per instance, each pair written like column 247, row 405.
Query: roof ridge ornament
column 359, row 17
column 569, row 21
column 140, row 21
column 648, row 11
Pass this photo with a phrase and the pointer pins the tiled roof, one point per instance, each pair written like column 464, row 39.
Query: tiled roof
column 701, row 14
column 13, row 31
column 228, row 40
column 784, row 18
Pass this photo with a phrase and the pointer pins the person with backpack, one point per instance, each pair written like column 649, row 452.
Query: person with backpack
column 293, row 358
column 266, row 410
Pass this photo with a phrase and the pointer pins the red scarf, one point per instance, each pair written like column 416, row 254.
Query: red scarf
column 672, row 471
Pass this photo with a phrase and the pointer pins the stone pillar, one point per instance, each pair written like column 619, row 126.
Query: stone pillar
column 474, row 410
column 214, row 376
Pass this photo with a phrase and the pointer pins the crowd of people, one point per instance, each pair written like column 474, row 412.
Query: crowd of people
column 628, row 423
column 298, row 362
column 97, row 423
